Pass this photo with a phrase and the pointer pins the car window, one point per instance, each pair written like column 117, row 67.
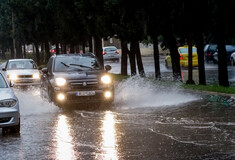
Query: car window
column 70, row 63
column 213, row 48
column 21, row 65
column 110, row 49
column 185, row 50
column 3, row 83
column 230, row 48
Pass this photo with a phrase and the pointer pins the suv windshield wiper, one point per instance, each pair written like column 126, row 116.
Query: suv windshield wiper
column 81, row 66
column 64, row 64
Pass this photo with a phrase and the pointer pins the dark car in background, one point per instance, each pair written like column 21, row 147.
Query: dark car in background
column 77, row 78
column 209, row 51
column 229, row 50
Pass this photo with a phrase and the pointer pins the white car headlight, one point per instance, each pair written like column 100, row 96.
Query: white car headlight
column 106, row 79
column 36, row 76
column 13, row 76
column 60, row 81
column 7, row 103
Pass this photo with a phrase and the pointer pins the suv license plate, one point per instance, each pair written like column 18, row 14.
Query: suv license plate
column 85, row 93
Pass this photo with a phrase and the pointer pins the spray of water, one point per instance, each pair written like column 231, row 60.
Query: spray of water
column 138, row 92
column 32, row 103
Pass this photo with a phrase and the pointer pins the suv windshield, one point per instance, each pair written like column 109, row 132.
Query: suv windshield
column 21, row 65
column 80, row 63
column 2, row 82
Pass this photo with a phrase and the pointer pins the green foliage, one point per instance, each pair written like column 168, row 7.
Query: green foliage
column 212, row 88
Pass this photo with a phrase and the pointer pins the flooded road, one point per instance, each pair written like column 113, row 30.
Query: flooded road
column 146, row 121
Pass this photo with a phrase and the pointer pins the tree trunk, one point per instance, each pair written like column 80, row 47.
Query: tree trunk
column 37, row 54
column 24, row 51
column 222, row 55
column 72, row 48
column 99, row 50
column 47, row 51
column 90, row 44
column 84, row 46
column 18, row 50
column 200, row 53
column 132, row 59
column 3, row 54
column 125, row 52
column 156, row 58
column 190, row 61
column 175, row 58
column 57, row 49
column 63, row 48
column 139, row 58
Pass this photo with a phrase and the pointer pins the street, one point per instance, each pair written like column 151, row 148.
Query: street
column 146, row 121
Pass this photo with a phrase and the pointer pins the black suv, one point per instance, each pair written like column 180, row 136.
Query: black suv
column 76, row 78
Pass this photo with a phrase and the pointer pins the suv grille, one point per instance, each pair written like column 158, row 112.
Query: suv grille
column 25, row 76
column 86, row 84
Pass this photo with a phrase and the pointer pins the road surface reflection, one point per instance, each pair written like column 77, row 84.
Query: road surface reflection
column 64, row 148
column 108, row 130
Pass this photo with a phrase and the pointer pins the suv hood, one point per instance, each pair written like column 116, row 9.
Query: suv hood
column 75, row 75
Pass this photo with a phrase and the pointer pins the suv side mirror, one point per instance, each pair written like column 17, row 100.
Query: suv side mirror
column 12, row 83
column 44, row 70
column 108, row 68
column 3, row 69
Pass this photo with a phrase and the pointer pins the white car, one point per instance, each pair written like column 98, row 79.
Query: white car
column 24, row 72
column 111, row 53
column 9, row 107
column 232, row 59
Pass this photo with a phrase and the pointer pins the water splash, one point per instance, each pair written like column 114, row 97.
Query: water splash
column 32, row 103
column 139, row 92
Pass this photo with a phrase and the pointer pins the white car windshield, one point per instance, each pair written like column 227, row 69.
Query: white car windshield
column 12, row 65
column 3, row 83
column 78, row 63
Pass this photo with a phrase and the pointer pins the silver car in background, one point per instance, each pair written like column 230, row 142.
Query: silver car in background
column 111, row 53
column 9, row 107
column 24, row 72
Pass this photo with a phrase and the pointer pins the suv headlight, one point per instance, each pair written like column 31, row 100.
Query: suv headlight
column 36, row 76
column 106, row 79
column 13, row 76
column 7, row 103
column 60, row 81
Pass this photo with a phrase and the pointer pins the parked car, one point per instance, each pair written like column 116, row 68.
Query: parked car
column 23, row 72
column 209, row 50
column 9, row 107
column 229, row 50
column 76, row 78
column 183, row 51
column 232, row 59
column 111, row 53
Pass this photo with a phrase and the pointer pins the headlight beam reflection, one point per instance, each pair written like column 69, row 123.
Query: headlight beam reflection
column 109, row 137
column 64, row 148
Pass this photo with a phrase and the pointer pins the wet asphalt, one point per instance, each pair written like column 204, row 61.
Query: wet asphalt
column 146, row 121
